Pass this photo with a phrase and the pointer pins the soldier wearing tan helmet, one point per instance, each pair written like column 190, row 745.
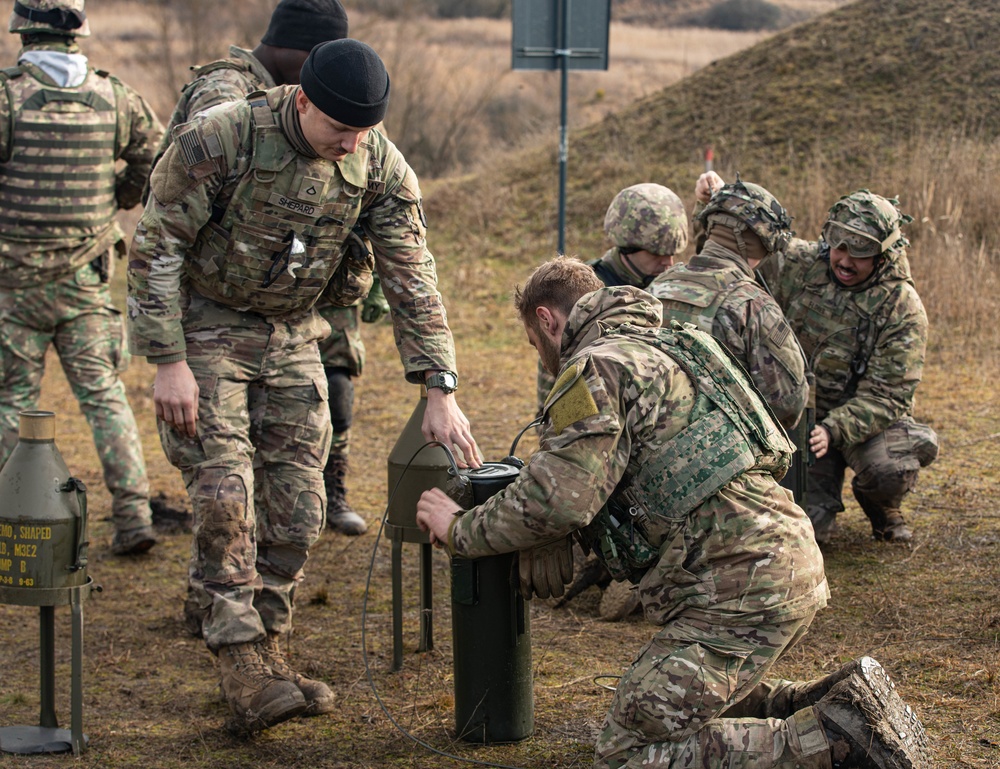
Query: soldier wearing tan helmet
column 851, row 300
column 64, row 126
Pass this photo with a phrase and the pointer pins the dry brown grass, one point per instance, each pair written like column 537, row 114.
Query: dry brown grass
column 929, row 612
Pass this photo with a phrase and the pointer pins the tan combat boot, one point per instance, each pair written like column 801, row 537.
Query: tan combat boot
column 318, row 696
column 868, row 726
column 895, row 529
column 257, row 698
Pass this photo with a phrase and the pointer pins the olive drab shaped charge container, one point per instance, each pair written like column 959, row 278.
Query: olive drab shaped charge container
column 491, row 635
column 43, row 512
column 43, row 563
column 414, row 467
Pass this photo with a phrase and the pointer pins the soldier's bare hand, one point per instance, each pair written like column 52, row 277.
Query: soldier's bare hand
column 435, row 512
column 707, row 183
column 175, row 395
column 819, row 441
column 445, row 422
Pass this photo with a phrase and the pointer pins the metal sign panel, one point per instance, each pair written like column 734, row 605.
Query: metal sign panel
column 547, row 31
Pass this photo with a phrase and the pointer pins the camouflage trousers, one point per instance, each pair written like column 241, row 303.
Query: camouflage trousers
column 343, row 356
column 676, row 706
column 885, row 471
column 76, row 316
column 254, row 473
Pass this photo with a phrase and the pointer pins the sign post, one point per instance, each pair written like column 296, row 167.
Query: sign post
column 563, row 35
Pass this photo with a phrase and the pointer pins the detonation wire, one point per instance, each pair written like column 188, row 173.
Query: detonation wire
column 364, row 617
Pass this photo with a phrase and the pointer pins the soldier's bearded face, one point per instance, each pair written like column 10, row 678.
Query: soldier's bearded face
column 331, row 139
column 849, row 270
column 548, row 351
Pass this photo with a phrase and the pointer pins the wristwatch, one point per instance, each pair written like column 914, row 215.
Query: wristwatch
column 446, row 380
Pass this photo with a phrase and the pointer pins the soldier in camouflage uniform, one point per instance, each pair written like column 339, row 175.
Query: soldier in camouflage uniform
column 63, row 128
column 658, row 452
column 295, row 28
column 851, row 301
column 243, row 231
column 717, row 290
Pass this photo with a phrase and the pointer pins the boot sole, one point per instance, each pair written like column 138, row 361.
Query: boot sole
column 895, row 736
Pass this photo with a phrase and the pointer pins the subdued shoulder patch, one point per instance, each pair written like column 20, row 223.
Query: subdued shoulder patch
column 197, row 150
column 573, row 399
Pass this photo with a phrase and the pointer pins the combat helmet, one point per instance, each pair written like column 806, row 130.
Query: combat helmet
column 647, row 217
column 742, row 205
column 866, row 225
column 55, row 17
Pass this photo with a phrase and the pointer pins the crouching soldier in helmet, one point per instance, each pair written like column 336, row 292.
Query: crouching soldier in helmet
column 851, row 300
column 717, row 290
column 64, row 127
column 659, row 453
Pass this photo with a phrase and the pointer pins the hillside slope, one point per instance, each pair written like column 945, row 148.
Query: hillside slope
column 849, row 90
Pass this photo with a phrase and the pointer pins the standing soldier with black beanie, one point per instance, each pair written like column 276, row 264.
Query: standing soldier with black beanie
column 243, row 231
column 63, row 128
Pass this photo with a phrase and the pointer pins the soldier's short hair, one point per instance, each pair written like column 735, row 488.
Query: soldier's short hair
column 557, row 284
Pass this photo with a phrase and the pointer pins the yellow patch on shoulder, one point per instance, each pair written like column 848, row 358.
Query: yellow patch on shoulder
column 575, row 402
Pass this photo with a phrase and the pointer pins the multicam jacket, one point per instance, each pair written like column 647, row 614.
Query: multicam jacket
column 743, row 555
column 716, row 291
column 865, row 343
column 243, row 214
column 59, row 188
column 217, row 82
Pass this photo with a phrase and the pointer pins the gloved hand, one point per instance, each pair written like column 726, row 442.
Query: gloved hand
column 374, row 306
column 545, row 570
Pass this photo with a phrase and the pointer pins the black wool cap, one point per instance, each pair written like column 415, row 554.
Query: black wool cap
column 347, row 81
column 304, row 24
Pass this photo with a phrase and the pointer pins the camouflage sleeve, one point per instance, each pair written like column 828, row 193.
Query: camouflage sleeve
column 783, row 272
column 183, row 190
column 606, row 409
column 757, row 332
column 144, row 135
column 394, row 222
column 886, row 391
column 565, row 484
column 4, row 118
column 218, row 87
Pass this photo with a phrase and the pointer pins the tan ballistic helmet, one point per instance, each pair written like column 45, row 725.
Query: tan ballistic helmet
column 648, row 217
column 56, row 17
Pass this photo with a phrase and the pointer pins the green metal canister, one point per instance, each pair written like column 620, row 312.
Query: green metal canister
column 491, row 635
column 43, row 512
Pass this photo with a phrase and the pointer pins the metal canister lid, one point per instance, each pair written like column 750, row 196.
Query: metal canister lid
column 37, row 425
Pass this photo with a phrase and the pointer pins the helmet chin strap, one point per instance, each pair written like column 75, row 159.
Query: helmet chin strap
column 645, row 278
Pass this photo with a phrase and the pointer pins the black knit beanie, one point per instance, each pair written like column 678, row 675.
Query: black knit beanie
column 304, row 24
column 347, row 81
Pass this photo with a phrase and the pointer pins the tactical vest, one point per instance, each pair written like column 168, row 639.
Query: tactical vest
column 180, row 114
column 838, row 330
column 695, row 296
column 279, row 240
column 731, row 431
column 57, row 180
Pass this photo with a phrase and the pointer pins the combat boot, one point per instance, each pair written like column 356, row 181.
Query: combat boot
column 618, row 601
column 894, row 529
column 257, row 698
column 339, row 515
column 133, row 541
column 868, row 726
column 319, row 697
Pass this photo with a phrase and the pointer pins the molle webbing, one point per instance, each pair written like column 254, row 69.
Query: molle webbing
column 696, row 297
column 60, row 179
column 736, row 431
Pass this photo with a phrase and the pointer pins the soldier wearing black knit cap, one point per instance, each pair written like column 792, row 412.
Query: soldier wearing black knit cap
column 296, row 27
column 243, row 232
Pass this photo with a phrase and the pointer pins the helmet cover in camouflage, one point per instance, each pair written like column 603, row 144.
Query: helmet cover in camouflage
column 873, row 216
column 756, row 208
column 60, row 17
column 649, row 217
